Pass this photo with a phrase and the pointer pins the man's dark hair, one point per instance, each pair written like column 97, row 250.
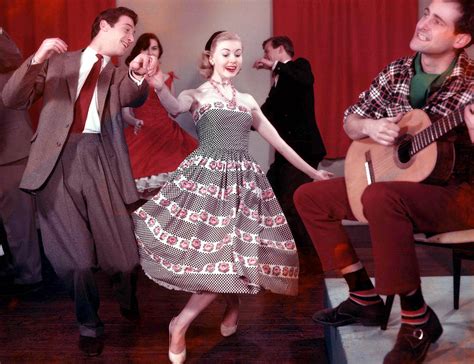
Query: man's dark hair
column 465, row 23
column 281, row 40
column 111, row 16
column 142, row 44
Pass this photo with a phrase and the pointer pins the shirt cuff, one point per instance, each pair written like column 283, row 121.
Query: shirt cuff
column 135, row 79
column 34, row 61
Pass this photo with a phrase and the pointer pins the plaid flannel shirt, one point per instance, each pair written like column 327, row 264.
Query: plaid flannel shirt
column 388, row 96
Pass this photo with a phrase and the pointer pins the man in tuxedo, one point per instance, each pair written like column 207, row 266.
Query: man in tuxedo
column 290, row 108
column 439, row 79
column 17, row 210
column 79, row 167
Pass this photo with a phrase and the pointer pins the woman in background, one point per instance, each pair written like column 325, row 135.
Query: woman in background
column 156, row 143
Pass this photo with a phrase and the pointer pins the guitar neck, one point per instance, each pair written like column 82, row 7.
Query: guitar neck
column 436, row 130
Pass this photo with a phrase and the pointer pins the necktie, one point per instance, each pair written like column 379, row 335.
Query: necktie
column 81, row 107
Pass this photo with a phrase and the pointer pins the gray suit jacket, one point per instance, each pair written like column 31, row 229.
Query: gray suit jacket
column 56, row 80
column 15, row 126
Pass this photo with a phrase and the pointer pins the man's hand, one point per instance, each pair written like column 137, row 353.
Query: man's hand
column 384, row 131
column 144, row 65
column 263, row 63
column 48, row 48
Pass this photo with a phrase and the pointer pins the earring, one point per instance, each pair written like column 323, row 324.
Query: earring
column 212, row 63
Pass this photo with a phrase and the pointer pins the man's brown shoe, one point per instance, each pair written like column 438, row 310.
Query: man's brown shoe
column 349, row 312
column 91, row 346
column 413, row 342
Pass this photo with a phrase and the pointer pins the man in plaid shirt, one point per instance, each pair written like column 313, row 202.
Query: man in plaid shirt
column 439, row 79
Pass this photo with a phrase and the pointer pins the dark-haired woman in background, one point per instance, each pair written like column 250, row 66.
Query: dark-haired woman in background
column 162, row 145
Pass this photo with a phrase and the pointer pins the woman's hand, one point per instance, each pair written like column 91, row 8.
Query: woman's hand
column 321, row 174
column 157, row 80
column 138, row 126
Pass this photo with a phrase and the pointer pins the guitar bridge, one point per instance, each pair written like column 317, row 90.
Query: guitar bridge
column 369, row 168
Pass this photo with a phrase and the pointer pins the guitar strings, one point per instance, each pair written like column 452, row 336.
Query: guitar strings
column 385, row 164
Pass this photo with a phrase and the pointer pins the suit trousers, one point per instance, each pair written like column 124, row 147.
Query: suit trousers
column 285, row 179
column 85, row 226
column 17, row 212
column 395, row 211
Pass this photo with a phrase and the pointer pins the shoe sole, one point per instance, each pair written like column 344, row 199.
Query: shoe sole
column 350, row 321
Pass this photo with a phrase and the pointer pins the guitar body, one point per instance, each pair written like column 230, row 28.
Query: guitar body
column 368, row 162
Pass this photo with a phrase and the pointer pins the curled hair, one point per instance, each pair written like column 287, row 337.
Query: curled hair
column 281, row 40
column 465, row 24
column 111, row 16
column 205, row 67
column 142, row 44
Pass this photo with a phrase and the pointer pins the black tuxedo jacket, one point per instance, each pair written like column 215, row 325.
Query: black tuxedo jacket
column 290, row 108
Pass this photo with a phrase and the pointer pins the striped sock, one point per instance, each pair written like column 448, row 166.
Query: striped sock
column 361, row 289
column 414, row 308
column 416, row 318
column 365, row 298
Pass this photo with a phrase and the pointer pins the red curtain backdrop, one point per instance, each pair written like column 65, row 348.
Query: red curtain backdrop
column 347, row 42
column 29, row 22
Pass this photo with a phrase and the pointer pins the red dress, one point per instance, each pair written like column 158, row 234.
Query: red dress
column 159, row 147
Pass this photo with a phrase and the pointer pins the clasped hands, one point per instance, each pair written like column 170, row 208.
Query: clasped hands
column 144, row 65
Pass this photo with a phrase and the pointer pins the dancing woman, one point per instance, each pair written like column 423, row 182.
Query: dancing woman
column 216, row 226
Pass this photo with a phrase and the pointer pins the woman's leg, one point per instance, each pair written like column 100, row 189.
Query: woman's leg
column 180, row 324
column 231, row 313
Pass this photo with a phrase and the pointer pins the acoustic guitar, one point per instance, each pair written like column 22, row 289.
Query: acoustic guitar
column 417, row 155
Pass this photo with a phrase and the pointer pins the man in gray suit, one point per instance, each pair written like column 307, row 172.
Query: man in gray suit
column 16, row 207
column 79, row 166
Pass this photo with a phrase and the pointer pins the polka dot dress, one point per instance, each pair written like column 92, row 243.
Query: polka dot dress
column 216, row 226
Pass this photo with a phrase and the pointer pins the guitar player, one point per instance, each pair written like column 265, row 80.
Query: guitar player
column 438, row 79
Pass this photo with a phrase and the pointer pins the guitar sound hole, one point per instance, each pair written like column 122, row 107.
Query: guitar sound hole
column 404, row 150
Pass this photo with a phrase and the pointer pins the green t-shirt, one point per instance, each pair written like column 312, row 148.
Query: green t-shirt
column 422, row 83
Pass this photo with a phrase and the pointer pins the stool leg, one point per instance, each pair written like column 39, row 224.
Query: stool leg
column 388, row 310
column 456, row 278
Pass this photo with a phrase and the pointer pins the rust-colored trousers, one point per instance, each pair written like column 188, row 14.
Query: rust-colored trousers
column 394, row 210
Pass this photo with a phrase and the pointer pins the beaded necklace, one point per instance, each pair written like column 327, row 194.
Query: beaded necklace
column 232, row 102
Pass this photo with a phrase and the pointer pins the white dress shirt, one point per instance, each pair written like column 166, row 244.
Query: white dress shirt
column 88, row 58
column 275, row 79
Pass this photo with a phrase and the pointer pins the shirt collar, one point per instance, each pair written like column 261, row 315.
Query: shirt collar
column 460, row 67
column 89, row 54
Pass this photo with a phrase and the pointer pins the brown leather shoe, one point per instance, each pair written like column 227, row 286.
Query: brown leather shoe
column 132, row 314
column 91, row 346
column 348, row 313
column 413, row 342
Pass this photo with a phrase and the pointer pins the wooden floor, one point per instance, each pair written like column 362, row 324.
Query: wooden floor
column 41, row 327
column 273, row 329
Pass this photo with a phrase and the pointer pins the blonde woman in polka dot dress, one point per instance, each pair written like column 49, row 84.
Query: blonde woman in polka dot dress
column 216, row 226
